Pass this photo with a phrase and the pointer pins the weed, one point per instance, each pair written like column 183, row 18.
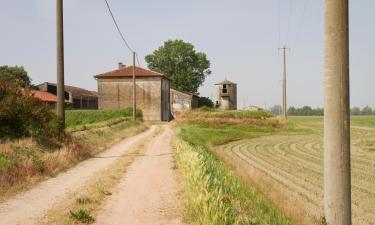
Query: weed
column 82, row 216
column 83, row 200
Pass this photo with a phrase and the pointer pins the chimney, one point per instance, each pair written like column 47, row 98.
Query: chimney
column 121, row 65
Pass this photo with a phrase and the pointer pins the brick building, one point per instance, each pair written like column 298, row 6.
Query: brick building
column 115, row 90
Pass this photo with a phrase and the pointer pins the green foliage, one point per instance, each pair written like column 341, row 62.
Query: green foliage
column 16, row 74
column 23, row 115
column 205, row 102
column 355, row 111
column 305, row 111
column 82, row 216
column 367, row 111
column 86, row 118
column 179, row 61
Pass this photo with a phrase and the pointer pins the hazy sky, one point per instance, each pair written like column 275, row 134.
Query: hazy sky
column 240, row 38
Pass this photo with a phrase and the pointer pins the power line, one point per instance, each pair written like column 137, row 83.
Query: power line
column 289, row 20
column 118, row 28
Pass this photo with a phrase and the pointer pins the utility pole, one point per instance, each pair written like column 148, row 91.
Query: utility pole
column 134, row 91
column 337, row 181
column 284, row 107
column 60, row 64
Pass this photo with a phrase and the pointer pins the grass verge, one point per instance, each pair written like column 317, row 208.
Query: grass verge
column 82, row 206
column 215, row 195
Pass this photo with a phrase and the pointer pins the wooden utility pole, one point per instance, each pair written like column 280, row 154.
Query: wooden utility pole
column 284, row 107
column 60, row 63
column 134, row 91
column 337, row 190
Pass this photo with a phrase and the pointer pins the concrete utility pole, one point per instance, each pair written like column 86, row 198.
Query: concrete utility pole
column 60, row 63
column 337, row 190
column 134, row 91
column 284, row 107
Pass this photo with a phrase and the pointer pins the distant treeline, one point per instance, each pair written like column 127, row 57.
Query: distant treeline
column 309, row 111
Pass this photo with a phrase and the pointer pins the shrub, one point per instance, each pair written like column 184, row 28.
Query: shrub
column 23, row 115
column 204, row 101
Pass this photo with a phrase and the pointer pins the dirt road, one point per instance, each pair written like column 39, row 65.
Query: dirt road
column 28, row 207
column 148, row 193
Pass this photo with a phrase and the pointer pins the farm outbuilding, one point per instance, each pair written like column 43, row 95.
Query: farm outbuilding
column 78, row 98
column 226, row 95
column 182, row 100
column 115, row 90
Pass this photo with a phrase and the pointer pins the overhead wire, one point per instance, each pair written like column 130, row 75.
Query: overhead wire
column 302, row 21
column 118, row 28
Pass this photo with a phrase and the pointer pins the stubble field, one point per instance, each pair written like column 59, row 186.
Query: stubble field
column 287, row 168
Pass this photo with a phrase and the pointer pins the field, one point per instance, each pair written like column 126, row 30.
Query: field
column 287, row 167
column 85, row 119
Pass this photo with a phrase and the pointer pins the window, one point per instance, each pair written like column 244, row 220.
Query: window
column 224, row 89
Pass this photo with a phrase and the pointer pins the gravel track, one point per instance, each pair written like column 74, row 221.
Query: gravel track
column 148, row 193
column 26, row 208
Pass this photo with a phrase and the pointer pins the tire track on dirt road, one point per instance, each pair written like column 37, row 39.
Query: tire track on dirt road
column 148, row 193
column 31, row 205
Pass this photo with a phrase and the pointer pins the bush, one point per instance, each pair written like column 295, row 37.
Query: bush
column 23, row 115
column 204, row 101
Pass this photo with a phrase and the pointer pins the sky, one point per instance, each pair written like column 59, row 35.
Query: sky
column 240, row 37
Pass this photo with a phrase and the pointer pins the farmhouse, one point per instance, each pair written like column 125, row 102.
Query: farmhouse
column 78, row 98
column 115, row 89
column 182, row 100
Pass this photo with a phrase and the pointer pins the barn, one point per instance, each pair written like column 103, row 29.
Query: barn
column 115, row 90
column 78, row 98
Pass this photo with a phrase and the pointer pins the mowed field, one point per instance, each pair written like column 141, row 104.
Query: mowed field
column 287, row 167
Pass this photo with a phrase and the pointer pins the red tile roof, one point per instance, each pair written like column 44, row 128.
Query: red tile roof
column 45, row 96
column 128, row 72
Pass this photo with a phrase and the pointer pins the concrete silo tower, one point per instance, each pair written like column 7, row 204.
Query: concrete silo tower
column 226, row 95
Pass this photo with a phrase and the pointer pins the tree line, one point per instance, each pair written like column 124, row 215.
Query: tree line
column 309, row 111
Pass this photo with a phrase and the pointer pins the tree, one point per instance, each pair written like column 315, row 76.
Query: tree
column 204, row 101
column 17, row 74
column 366, row 110
column 178, row 60
column 355, row 111
column 21, row 114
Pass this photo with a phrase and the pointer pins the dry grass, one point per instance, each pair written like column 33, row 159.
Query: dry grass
column 82, row 206
column 25, row 162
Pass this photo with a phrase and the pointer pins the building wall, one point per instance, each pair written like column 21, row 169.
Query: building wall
column 180, row 100
column 226, row 101
column 118, row 93
column 165, row 100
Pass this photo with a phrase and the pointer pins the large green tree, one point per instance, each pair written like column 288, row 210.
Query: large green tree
column 17, row 74
column 179, row 61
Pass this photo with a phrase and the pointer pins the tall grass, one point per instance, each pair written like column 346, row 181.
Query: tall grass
column 215, row 195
